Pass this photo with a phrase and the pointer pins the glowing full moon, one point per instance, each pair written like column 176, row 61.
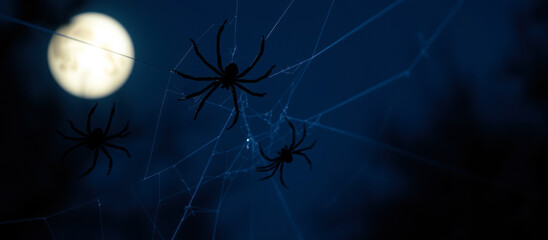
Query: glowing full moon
column 89, row 71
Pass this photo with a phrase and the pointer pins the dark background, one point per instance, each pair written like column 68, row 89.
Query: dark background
column 455, row 151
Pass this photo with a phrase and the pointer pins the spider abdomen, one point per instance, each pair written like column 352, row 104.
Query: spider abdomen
column 289, row 158
column 286, row 155
column 231, row 70
column 95, row 138
column 229, row 76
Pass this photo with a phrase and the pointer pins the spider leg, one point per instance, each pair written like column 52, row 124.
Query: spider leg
column 267, row 167
column 302, row 139
column 203, row 59
column 70, row 138
column 198, row 93
column 109, row 159
column 89, row 118
column 254, row 61
column 93, row 165
column 203, row 100
column 258, row 79
column 235, row 106
column 121, row 134
column 282, row 176
column 194, row 78
column 306, row 148
column 248, row 91
column 76, row 129
column 124, row 135
column 219, row 60
column 110, row 118
column 125, row 128
column 306, row 157
column 262, row 153
column 293, row 131
column 273, row 172
column 70, row 150
column 117, row 147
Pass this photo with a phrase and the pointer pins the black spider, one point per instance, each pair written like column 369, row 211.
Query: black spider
column 96, row 139
column 227, row 77
column 285, row 155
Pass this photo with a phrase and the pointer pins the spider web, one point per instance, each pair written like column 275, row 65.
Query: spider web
column 198, row 186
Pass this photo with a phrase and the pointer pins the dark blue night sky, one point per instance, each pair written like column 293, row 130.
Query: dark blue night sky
column 430, row 121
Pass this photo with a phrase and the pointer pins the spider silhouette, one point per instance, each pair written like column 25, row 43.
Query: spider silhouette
column 285, row 155
column 228, row 78
column 96, row 139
